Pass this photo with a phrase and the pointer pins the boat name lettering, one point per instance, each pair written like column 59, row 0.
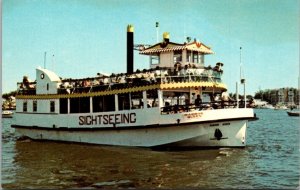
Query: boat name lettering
column 107, row 119
column 193, row 115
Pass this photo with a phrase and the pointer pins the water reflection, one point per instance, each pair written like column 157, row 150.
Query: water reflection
column 62, row 165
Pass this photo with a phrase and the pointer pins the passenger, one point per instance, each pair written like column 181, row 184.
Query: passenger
column 105, row 81
column 26, row 82
column 122, row 79
column 152, row 77
column 86, row 83
column 225, row 98
column 187, row 105
column 166, row 108
column 198, row 101
column 217, row 101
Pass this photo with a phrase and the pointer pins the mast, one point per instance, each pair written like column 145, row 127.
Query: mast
column 157, row 31
column 242, row 79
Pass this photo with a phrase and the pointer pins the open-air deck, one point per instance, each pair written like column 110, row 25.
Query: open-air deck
column 124, row 80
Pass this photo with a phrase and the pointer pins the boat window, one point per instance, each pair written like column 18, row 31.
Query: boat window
column 98, row 103
column 136, row 100
column 124, row 101
column 195, row 57
column 154, row 59
column 109, row 103
column 80, row 105
column 152, row 98
column 25, row 106
column 188, row 56
column 175, row 98
column 34, row 106
column 177, row 56
column 201, row 59
column 63, row 105
column 52, row 106
column 103, row 103
column 175, row 101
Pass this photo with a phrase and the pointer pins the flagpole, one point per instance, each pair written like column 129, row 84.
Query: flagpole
column 157, row 31
column 243, row 80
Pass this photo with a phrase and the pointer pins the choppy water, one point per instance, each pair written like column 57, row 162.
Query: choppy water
column 270, row 161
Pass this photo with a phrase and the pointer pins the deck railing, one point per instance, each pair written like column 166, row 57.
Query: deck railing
column 205, row 106
column 139, row 78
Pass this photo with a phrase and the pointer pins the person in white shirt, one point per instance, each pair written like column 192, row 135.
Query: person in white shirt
column 225, row 98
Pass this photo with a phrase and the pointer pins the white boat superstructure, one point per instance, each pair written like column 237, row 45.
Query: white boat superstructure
column 154, row 107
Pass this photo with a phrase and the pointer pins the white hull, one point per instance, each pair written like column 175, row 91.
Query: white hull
column 192, row 134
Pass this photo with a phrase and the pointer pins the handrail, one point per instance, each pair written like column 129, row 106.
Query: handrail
column 204, row 106
column 151, row 76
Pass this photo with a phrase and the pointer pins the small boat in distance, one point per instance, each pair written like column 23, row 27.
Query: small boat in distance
column 280, row 107
column 7, row 114
column 169, row 104
column 293, row 113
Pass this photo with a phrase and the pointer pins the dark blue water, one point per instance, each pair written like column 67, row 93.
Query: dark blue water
column 270, row 161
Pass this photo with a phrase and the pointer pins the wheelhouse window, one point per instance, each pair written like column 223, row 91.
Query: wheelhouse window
column 201, row 59
column 52, row 106
column 34, row 106
column 154, row 59
column 25, row 106
column 195, row 57
column 188, row 56
column 177, row 56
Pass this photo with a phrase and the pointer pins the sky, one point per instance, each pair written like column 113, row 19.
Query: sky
column 84, row 37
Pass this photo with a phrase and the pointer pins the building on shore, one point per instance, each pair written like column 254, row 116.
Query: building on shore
column 280, row 96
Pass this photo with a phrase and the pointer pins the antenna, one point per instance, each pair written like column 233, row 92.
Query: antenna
column 157, row 30
column 45, row 59
column 243, row 81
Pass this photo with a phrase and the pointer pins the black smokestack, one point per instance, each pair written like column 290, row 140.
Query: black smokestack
column 130, row 49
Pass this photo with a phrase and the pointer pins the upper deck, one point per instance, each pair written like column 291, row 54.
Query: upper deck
column 172, row 66
column 159, row 78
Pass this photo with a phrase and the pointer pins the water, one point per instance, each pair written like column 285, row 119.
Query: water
column 270, row 161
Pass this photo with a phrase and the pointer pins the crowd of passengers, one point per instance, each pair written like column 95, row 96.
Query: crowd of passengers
column 150, row 76
column 217, row 101
column 188, row 72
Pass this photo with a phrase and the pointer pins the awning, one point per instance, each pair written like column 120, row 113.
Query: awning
column 175, row 48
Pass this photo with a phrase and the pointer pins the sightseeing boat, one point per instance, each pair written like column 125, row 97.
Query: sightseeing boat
column 154, row 107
